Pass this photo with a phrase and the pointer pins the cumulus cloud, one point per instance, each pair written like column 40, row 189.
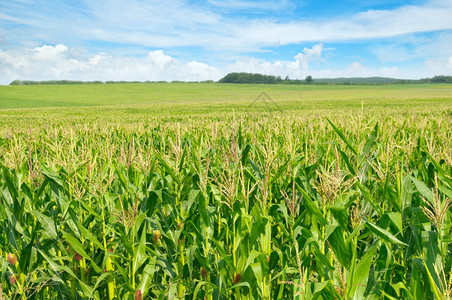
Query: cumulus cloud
column 59, row 62
column 215, row 29
column 296, row 68
column 300, row 67
column 56, row 62
column 160, row 60
column 49, row 53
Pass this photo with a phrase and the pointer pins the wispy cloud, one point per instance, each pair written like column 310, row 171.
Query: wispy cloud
column 366, row 25
column 213, row 32
column 178, row 23
column 414, row 47
column 131, row 30
column 260, row 5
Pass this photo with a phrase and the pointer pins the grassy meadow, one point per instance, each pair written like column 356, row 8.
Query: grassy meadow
column 196, row 191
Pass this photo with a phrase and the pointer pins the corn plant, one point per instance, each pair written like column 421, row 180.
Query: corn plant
column 234, row 207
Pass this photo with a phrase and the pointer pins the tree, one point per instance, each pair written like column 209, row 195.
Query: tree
column 308, row 79
column 250, row 78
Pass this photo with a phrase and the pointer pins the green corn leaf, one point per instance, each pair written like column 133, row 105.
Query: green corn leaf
column 388, row 296
column 401, row 286
column 347, row 162
column 251, row 258
column 52, row 175
column 342, row 136
column 279, row 172
column 325, row 290
column 198, row 287
column 337, row 243
column 48, row 225
column 321, row 259
column 202, row 207
column 182, row 158
column 382, row 233
column 257, row 271
column 88, row 235
column 140, row 252
column 100, row 279
column 190, row 253
column 432, row 255
column 27, row 253
column 58, row 269
column 241, row 284
column 369, row 145
column 256, row 169
column 361, row 274
column 341, row 216
column 439, row 167
column 148, row 275
column 396, row 219
column 167, row 168
column 245, row 154
column 369, row 198
column 423, row 189
column 312, row 208
column 432, row 281
column 77, row 246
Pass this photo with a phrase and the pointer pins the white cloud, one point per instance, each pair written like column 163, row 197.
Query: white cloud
column 357, row 69
column 196, row 69
column 160, row 60
column 179, row 23
column 208, row 29
column 439, row 66
column 49, row 53
column 297, row 68
column 57, row 62
column 414, row 48
column 240, row 4
column 392, row 53
column 60, row 62
column 372, row 24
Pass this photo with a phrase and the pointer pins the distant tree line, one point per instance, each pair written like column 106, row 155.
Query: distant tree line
column 251, row 78
column 32, row 82
column 435, row 79
column 49, row 82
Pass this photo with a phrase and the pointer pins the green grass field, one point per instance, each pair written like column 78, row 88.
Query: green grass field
column 35, row 96
column 192, row 191
column 24, row 106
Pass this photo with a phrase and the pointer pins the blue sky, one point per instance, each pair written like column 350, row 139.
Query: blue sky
column 200, row 40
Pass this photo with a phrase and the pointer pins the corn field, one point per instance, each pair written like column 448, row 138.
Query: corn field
column 333, row 206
